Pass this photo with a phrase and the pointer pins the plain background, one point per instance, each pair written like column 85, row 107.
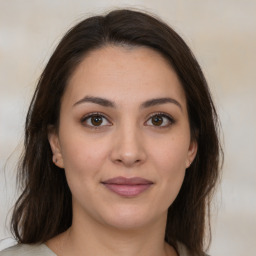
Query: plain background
column 221, row 33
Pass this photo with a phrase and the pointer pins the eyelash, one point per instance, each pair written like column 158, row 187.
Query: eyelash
column 164, row 115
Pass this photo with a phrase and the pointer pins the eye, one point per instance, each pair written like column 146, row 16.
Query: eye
column 160, row 120
column 95, row 120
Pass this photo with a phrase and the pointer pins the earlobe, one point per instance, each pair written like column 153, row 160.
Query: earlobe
column 53, row 139
column 191, row 153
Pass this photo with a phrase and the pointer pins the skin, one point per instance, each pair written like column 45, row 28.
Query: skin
column 127, row 143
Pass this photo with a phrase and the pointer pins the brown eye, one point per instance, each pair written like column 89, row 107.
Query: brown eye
column 160, row 120
column 157, row 120
column 96, row 120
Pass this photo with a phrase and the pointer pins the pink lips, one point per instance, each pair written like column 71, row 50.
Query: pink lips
column 128, row 187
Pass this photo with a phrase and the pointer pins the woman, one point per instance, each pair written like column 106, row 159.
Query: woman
column 121, row 145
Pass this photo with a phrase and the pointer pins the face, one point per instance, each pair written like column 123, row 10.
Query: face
column 124, row 138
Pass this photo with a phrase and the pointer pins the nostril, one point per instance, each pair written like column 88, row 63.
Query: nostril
column 127, row 162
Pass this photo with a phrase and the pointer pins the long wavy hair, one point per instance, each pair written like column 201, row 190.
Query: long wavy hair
column 44, row 208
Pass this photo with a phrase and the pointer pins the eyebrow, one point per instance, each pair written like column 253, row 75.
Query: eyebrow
column 108, row 103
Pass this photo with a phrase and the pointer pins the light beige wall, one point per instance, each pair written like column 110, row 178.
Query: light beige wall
column 223, row 36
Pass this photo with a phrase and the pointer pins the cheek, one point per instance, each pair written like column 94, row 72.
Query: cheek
column 83, row 161
column 83, row 156
column 170, row 162
column 171, row 154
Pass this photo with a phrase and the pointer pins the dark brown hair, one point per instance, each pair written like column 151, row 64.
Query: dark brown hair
column 44, row 208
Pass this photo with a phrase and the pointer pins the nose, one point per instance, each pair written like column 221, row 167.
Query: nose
column 128, row 148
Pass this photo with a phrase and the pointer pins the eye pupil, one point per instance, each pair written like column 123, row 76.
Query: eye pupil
column 157, row 120
column 96, row 120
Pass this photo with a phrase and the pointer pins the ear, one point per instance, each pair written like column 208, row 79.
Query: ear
column 192, row 150
column 53, row 139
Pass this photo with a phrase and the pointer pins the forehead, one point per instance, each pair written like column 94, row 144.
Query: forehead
column 124, row 74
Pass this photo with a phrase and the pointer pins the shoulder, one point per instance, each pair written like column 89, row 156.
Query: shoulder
column 27, row 250
column 182, row 250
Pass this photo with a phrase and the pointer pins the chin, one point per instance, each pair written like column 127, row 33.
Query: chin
column 131, row 218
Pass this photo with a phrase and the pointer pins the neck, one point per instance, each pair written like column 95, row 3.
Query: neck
column 88, row 237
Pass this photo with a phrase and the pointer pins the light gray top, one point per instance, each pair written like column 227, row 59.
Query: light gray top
column 43, row 250
column 28, row 250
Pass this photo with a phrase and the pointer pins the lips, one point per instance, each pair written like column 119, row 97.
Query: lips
column 127, row 187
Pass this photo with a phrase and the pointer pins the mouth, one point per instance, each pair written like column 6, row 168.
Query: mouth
column 127, row 187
